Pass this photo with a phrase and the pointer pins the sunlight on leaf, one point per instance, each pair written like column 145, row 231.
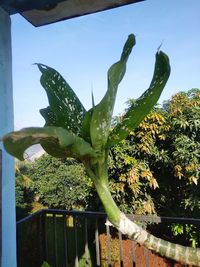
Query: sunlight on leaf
column 102, row 115
column 45, row 264
column 56, row 141
column 64, row 104
column 143, row 105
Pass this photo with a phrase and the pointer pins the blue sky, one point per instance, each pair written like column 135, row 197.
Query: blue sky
column 82, row 50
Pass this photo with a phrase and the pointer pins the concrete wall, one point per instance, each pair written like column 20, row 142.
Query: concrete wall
column 6, row 125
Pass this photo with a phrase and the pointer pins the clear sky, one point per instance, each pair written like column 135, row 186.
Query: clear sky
column 82, row 50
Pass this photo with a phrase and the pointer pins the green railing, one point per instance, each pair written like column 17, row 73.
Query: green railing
column 74, row 238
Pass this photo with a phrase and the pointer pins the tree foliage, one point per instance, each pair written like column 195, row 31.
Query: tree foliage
column 179, row 176
column 156, row 169
column 61, row 183
column 24, row 193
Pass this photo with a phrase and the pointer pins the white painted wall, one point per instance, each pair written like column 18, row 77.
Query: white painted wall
column 6, row 125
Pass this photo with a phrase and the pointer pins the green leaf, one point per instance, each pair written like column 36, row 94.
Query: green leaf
column 49, row 116
column 45, row 264
column 102, row 114
column 64, row 103
column 143, row 105
column 85, row 131
column 57, row 142
column 93, row 104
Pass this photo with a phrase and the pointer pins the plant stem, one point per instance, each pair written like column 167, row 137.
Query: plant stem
column 99, row 175
column 109, row 204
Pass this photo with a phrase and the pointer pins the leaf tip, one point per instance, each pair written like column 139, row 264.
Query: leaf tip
column 130, row 42
column 158, row 49
column 41, row 67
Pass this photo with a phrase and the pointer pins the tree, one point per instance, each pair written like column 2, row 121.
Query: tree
column 54, row 183
column 61, row 183
column 182, row 164
column 160, row 161
column 24, row 193
column 164, row 151
column 131, row 180
column 70, row 130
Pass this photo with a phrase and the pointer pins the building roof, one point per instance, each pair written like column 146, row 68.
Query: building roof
column 42, row 12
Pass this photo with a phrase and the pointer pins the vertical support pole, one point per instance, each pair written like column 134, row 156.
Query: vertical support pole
column 98, row 261
column 0, row 205
column 6, row 125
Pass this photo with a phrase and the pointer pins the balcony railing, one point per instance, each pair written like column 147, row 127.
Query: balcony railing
column 74, row 238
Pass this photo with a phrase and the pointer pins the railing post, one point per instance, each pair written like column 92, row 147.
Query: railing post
column 133, row 253
column 108, row 241
column 76, row 241
column 98, row 261
column 44, row 235
column 55, row 241
column 120, row 249
column 86, row 243
column 65, row 240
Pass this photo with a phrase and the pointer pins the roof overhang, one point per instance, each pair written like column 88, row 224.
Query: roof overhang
column 42, row 12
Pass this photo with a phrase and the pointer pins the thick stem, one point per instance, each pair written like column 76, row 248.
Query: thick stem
column 167, row 249
column 109, row 205
column 99, row 175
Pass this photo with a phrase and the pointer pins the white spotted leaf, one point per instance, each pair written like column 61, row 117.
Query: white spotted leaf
column 143, row 105
column 64, row 104
column 49, row 116
column 102, row 113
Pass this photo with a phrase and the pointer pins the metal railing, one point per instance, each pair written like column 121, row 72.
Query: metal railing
column 74, row 238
